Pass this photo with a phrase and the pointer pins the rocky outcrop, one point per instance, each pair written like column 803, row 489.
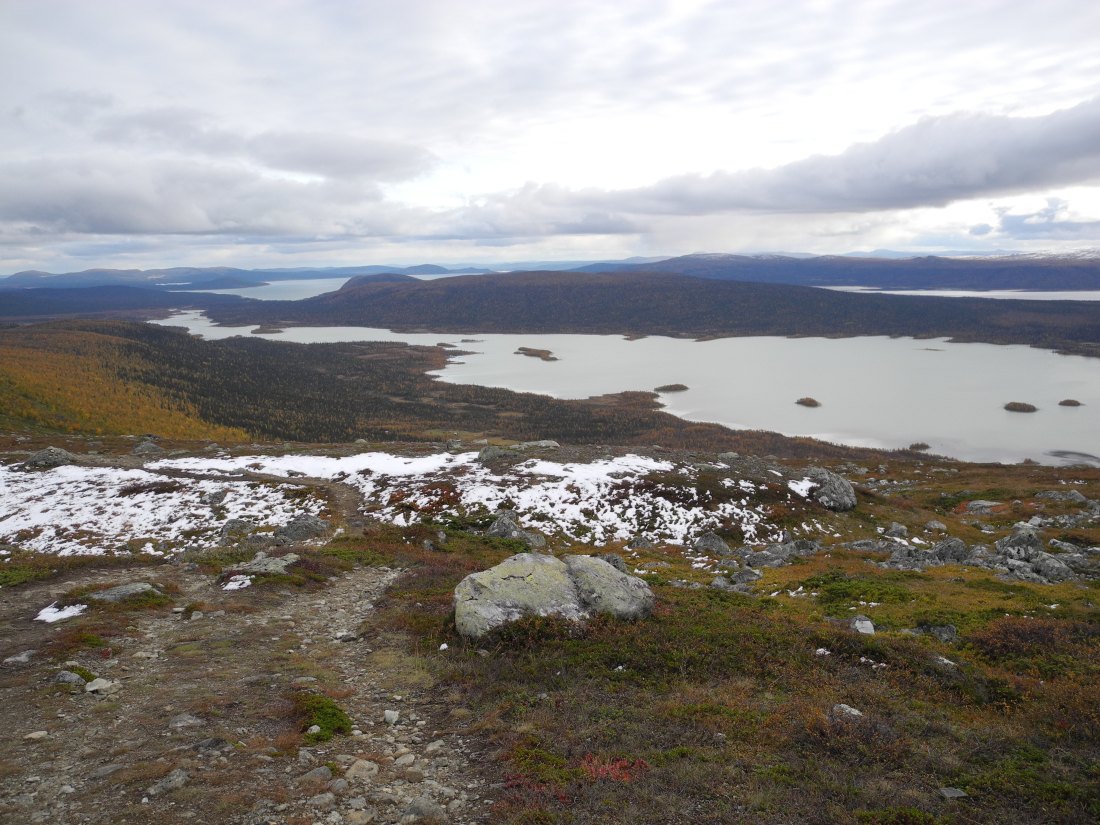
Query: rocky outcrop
column 831, row 491
column 264, row 565
column 149, row 450
column 530, row 584
column 776, row 555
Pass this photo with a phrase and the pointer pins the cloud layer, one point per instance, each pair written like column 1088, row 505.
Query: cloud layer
column 345, row 131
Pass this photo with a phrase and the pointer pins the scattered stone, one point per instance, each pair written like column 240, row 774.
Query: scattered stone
column 953, row 793
column 861, row 624
column 185, row 720
column 103, row 771
column 833, row 492
column 529, row 584
column 507, row 527
column 710, row 543
column 844, row 713
column 545, row 444
column 264, row 565
column 390, row 717
column 122, row 592
column 981, row 507
column 50, row 457
column 640, row 543
column 20, row 658
column 361, row 770
column 424, row 809
column 67, row 677
column 102, row 687
column 36, row 735
column 319, row 774
column 173, row 782
column 935, row 526
column 897, row 531
column 488, row 454
column 1073, row 496
column 323, row 801
column 148, row 448
column 300, row 529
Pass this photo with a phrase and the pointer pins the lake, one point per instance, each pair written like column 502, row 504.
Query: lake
column 874, row 391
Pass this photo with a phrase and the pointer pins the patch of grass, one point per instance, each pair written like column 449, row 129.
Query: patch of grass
column 316, row 709
column 836, row 587
column 82, row 672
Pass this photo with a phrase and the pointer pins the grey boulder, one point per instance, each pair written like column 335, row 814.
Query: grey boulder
column 301, row 528
column 507, row 527
column 530, row 584
column 122, row 592
column 50, row 457
column 831, row 491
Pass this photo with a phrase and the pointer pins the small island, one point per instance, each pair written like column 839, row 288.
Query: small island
column 1020, row 407
column 808, row 402
column 671, row 388
column 1070, row 402
column 541, row 354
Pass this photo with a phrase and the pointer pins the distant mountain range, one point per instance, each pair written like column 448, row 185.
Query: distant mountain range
column 882, row 269
column 1025, row 272
column 214, row 277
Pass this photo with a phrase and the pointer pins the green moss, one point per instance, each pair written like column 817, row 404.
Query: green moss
column 315, row 709
column 836, row 587
column 543, row 766
column 82, row 672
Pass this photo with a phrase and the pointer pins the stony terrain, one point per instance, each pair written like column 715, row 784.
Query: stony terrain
column 288, row 652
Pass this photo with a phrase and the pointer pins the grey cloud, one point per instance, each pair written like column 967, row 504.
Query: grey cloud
column 339, row 155
column 931, row 163
column 1049, row 223
column 125, row 196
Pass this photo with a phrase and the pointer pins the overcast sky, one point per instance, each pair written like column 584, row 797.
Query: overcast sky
column 325, row 132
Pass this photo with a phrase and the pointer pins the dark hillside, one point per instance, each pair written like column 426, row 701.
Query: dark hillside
column 929, row 272
column 661, row 304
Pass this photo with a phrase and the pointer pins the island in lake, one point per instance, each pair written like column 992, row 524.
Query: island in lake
column 542, row 354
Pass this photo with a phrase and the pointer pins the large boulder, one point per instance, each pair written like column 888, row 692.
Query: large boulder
column 831, row 491
column 530, row 584
column 122, row 592
column 50, row 457
column 710, row 543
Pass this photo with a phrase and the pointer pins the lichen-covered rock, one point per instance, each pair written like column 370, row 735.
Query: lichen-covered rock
column 531, row 584
column 831, row 491
column 603, row 589
column 527, row 584
column 149, row 449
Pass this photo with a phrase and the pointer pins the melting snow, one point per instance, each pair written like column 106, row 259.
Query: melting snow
column 53, row 613
column 238, row 582
column 93, row 510
column 802, row 487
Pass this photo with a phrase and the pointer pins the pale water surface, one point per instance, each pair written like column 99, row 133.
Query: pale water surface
column 285, row 290
column 997, row 294
column 874, row 391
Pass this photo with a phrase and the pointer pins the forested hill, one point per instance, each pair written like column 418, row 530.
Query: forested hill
column 660, row 304
column 1027, row 272
column 48, row 302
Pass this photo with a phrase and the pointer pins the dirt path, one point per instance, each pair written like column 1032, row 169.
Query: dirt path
column 201, row 727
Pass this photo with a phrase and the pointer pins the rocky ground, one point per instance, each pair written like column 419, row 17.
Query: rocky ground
column 216, row 694
column 195, row 721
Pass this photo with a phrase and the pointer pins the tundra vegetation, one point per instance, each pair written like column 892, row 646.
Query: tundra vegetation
column 719, row 707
